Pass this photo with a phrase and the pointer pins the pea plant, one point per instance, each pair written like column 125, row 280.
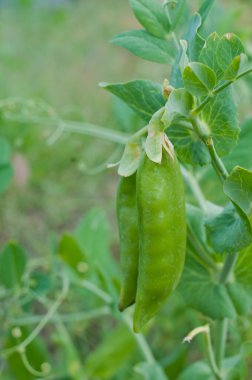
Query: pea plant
column 192, row 116
column 184, row 216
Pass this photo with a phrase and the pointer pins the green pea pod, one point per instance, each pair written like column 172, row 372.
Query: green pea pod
column 129, row 239
column 162, row 223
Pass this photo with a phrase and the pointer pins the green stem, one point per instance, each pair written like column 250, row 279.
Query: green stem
column 141, row 341
column 199, row 249
column 211, row 357
column 216, row 161
column 204, row 135
column 221, row 328
column 74, row 127
column 228, row 268
column 217, row 90
column 194, row 186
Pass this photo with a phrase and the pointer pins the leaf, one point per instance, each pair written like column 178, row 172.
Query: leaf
column 155, row 138
column 144, row 45
column 130, row 159
column 205, row 9
column 40, row 282
column 71, row 254
column 220, row 116
column 176, row 10
column 203, row 293
column 241, row 154
column 111, row 354
column 150, row 371
column 208, row 54
column 240, row 297
column 229, row 231
column 236, row 67
column 150, row 14
column 243, row 269
column 195, row 41
column 189, row 148
column 12, row 265
column 143, row 96
column 238, row 187
column 199, row 370
column 6, row 174
column 179, row 103
column 93, row 236
column 229, row 47
column 199, row 79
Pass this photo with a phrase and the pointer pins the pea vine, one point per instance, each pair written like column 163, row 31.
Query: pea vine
column 195, row 109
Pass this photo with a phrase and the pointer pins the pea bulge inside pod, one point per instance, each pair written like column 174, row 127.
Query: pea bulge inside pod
column 162, row 234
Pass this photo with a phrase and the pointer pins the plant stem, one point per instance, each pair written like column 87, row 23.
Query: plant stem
column 140, row 339
column 221, row 328
column 199, row 249
column 211, row 357
column 227, row 268
column 216, row 161
column 204, row 135
column 194, row 186
column 218, row 89
column 74, row 127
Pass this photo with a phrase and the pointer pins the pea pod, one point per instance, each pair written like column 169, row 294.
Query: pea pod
column 129, row 239
column 162, row 234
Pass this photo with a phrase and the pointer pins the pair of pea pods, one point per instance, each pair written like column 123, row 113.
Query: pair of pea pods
column 152, row 227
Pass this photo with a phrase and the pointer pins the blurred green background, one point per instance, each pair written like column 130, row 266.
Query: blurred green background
column 54, row 54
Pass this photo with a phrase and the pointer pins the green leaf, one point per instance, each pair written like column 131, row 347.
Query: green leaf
column 144, row 45
column 150, row 371
column 189, row 148
column 155, row 138
column 176, row 9
column 236, row 67
column 229, row 47
column 229, row 231
column 111, row 354
column 238, row 187
column 71, row 254
column 134, row 94
column 243, row 269
column 40, row 282
column 198, row 370
column 150, row 14
column 12, row 265
column 203, row 293
column 208, row 54
column 240, row 297
column 6, row 174
column 199, row 79
column 220, row 116
column 205, row 9
column 93, row 236
column 241, row 154
column 180, row 103
column 130, row 159
column 195, row 41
